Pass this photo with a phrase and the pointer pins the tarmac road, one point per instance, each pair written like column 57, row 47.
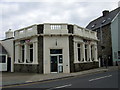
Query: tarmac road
column 108, row 79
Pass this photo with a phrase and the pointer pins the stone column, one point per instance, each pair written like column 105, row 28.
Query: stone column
column 25, row 53
column 95, row 52
column 83, row 52
column 89, row 52
column 35, row 53
column 19, row 52
column 17, row 55
column 75, row 53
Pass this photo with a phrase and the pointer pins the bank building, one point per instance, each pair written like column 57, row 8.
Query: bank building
column 54, row 48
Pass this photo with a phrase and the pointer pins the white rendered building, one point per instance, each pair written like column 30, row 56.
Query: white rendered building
column 54, row 48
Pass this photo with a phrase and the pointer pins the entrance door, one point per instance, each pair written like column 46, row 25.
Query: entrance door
column 56, row 63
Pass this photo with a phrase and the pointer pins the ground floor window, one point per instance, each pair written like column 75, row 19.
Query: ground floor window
column 2, row 59
column 118, row 54
column 92, row 57
column 30, row 53
column 86, row 50
column 115, row 55
column 26, row 54
column 22, row 54
column 79, row 52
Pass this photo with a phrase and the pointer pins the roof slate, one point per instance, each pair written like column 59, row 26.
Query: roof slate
column 103, row 20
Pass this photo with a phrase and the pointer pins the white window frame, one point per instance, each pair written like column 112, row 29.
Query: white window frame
column 26, row 52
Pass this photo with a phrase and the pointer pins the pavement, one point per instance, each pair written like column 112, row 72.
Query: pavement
column 8, row 78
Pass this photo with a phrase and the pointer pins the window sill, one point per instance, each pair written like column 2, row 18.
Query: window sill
column 85, row 61
column 26, row 63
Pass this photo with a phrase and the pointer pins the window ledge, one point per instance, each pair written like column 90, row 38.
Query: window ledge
column 85, row 61
column 26, row 63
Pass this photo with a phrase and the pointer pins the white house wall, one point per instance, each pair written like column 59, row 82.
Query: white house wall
column 8, row 45
column 80, row 41
column 35, row 51
column 62, row 43
column 3, row 66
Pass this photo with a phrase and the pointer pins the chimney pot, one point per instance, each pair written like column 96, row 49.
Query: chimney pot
column 105, row 12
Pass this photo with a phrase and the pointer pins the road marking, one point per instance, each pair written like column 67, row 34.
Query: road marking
column 100, row 78
column 64, row 86
column 29, row 81
column 60, row 87
column 39, row 82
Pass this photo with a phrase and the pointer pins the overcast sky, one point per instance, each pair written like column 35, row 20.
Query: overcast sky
column 16, row 14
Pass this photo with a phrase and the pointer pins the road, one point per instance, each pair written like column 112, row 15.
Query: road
column 99, row 80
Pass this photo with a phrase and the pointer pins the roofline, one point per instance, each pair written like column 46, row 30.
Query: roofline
column 26, row 27
column 50, row 24
column 7, row 39
column 101, row 26
column 115, row 16
column 102, row 16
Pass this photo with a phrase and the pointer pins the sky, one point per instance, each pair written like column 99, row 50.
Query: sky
column 16, row 14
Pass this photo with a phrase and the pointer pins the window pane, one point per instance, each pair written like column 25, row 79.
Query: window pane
column 118, row 54
column 23, row 53
column 55, row 51
column 85, row 46
column 92, row 53
column 31, row 46
column 60, row 69
column 31, row 55
column 115, row 55
column 2, row 59
column 60, row 59
column 78, row 45
column 86, row 52
column 79, row 56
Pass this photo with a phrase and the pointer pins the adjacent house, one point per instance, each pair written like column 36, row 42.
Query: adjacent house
column 54, row 48
column 8, row 44
column 108, row 31
column 3, row 58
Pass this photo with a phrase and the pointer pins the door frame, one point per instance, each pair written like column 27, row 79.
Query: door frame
column 58, row 64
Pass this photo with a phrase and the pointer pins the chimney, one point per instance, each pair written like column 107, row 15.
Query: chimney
column 105, row 12
column 9, row 33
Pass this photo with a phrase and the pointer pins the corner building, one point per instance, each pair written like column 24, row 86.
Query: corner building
column 55, row 48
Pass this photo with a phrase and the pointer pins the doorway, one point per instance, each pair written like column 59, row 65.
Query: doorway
column 56, row 63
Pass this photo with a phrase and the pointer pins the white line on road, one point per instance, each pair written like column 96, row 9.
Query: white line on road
column 64, row 86
column 28, row 81
column 60, row 87
column 100, row 78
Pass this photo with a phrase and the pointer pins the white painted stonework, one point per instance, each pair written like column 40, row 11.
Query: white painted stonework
column 50, row 43
column 56, row 36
